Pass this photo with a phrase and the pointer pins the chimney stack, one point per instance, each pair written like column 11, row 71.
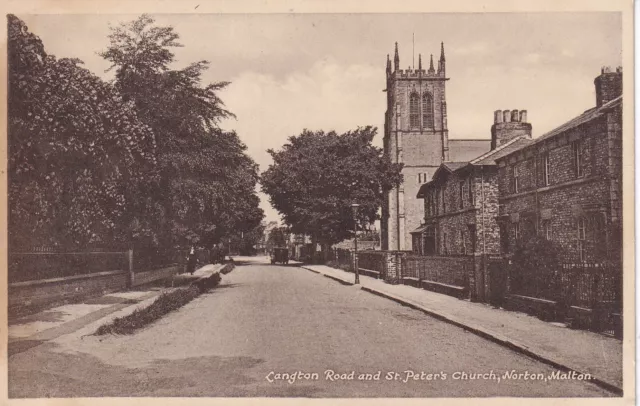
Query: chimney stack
column 608, row 85
column 507, row 125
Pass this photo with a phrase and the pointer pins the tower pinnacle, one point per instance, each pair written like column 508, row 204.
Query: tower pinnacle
column 431, row 70
column 396, row 59
column 441, row 63
column 388, row 65
column 419, row 61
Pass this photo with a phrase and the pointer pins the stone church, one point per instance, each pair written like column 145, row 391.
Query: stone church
column 416, row 134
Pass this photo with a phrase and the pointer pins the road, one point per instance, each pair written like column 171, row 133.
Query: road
column 265, row 321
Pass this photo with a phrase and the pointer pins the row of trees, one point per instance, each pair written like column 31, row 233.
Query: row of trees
column 139, row 160
column 317, row 176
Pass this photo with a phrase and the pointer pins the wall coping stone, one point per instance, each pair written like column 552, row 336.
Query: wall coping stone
column 65, row 279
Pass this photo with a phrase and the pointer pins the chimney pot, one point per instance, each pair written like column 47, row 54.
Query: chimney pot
column 497, row 116
column 619, row 69
column 523, row 116
column 507, row 116
column 515, row 116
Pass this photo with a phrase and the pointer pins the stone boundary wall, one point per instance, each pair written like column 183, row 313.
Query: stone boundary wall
column 40, row 293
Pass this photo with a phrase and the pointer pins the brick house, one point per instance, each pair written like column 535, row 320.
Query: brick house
column 566, row 185
column 461, row 201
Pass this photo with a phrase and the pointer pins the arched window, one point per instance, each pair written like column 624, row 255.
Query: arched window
column 427, row 110
column 414, row 110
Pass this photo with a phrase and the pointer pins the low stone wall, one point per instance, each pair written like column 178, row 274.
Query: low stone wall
column 143, row 278
column 38, row 294
column 42, row 292
column 441, row 269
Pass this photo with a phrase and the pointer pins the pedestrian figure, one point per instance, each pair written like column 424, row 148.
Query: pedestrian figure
column 191, row 261
column 214, row 254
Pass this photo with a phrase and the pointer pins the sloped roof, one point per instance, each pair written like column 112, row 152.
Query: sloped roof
column 467, row 149
column 420, row 229
column 453, row 166
column 585, row 117
column 505, row 149
column 487, row 158
column 449, row 167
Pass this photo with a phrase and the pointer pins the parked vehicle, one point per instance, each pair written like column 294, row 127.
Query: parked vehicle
column 280, row 255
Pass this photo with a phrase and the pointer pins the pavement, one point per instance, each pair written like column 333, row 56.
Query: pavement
column 35, row 329
column 552, row 343
column 282, row 331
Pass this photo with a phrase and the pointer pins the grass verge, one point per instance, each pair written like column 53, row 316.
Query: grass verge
column 165, row 303
column 336, row 265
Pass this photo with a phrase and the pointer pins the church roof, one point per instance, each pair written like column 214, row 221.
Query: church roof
column 467, row 149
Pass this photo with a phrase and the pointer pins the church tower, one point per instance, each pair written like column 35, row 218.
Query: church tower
column 416, row 135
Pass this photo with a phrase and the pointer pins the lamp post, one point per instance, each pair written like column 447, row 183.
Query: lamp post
column 355, row 206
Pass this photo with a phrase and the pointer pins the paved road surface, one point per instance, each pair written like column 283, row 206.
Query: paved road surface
column 265, row 321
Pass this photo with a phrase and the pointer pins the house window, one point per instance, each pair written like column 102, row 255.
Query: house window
column 436, row 194
column 427, row 205
column 543, row 170
column 472, row 237
column 444, row 244
column 462, row 194
column 582, row 237
column 578, row 160
column 516, row 231
column 422, row 178
column 545, row 229
column 464, row 243
column 414, row 110
column 444, row 202
column 427, row 110
column 504, row 238
column 429, row 241
column 472, row 197
column 515, row 179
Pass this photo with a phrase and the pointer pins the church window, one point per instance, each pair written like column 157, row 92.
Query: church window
column 414, row 110
column 427, row 110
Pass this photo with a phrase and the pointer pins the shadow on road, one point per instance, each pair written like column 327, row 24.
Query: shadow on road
column 85, row 375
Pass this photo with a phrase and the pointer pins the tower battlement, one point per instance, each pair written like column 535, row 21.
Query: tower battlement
column 411, row 73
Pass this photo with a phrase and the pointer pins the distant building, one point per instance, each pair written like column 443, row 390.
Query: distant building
column 416, row 134
column 566, row 185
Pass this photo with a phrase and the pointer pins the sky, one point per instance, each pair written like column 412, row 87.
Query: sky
column 326, row 72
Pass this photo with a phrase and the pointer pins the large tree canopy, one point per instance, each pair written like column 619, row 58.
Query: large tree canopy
column 316, row 177
column 80, row 160
column 141, row 160
column 208, row 180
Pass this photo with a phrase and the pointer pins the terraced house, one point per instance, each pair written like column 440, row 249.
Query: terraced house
column 461, row 204
column 566, row 185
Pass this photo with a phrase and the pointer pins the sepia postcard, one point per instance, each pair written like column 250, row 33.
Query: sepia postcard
column 287, row 202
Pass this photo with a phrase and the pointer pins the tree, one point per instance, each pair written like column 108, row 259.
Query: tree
column 245, row 243
column 207, row 181
column 80, row 160
column 277, row 238
column 316, row 177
